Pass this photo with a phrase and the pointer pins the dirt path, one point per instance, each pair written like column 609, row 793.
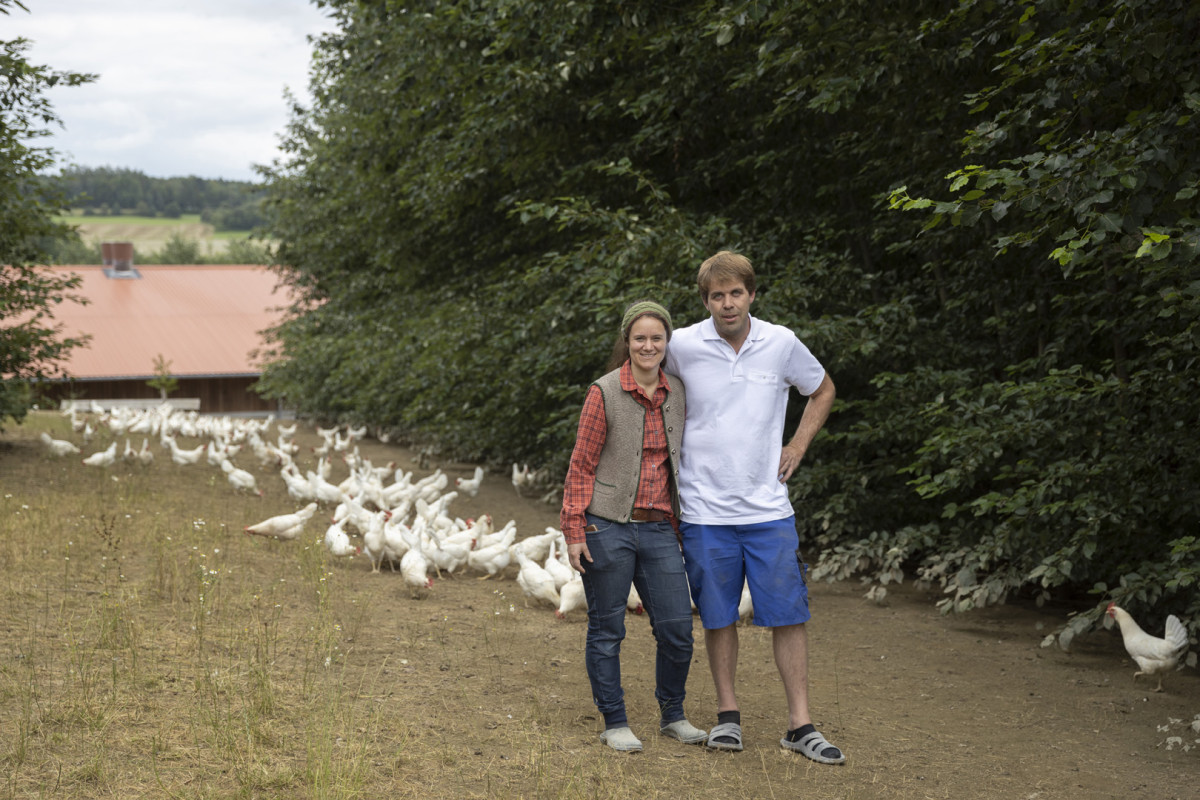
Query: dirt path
column 926, row 706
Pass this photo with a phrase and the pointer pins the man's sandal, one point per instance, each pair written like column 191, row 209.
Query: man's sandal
column 814, row 746
column 731, row 732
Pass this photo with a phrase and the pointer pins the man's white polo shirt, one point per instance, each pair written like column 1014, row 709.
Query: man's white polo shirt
column 733, row 434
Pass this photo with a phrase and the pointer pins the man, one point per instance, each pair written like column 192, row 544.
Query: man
column 737, row 521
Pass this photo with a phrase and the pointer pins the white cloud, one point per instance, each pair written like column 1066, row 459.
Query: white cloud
column 184, row 88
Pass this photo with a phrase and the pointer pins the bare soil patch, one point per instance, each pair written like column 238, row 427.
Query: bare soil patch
column 151, row 649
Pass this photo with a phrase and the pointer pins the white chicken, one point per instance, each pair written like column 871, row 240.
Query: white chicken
column 537, row 547
column 1153, row 655
column 484, row 538
column 58, row 447
column 337, row 541
column 145, row 455
column 214, row 454
column 444, row 553
column 239, row 478
column 480, row 528
column 470, row 485
column 297, row 486
column 559, row 568
column 327, row 435
column 634, row 601
column 103, row 458
column 491, row 559
column 284, row 526
column 535, row 581
column 322, row 489
column 373, row 539
column 185, row 458
column 745, row 604
column 430, row 487
column 395, row 541
column 571, row 596
column 522, row 478
column 415, row 569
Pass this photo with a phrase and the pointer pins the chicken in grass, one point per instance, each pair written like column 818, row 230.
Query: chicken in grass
column 239, row 478
column 102, row 458
column 1153, row 655
column 337, row 541
column 58, row 447
column 145, row 456
column 284, row 526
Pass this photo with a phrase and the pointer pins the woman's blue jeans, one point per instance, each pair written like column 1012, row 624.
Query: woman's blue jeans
column 647, row 555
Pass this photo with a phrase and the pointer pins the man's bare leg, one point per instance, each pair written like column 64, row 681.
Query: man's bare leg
column 791, row 658
column 722, row 647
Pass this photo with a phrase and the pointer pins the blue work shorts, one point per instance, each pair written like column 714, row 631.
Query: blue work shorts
column 765, row 555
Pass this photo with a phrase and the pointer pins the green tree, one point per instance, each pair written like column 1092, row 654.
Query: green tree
column 1071, row 458
column 71, row 249
column 244, row 251
column 178, row 249
column 30, row 343
column 163, row 381
column 478, row 188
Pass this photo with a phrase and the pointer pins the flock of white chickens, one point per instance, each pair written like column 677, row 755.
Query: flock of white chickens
column 406, row 523
column 381, row 512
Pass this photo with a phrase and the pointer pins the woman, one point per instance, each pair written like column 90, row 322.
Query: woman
column 619, row 517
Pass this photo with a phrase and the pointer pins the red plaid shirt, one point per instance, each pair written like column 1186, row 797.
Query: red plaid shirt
column 654, row 484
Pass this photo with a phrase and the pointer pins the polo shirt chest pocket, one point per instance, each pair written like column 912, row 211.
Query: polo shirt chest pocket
column 763, row 378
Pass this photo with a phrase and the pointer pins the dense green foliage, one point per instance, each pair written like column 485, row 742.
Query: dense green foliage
column 226, row 205
column 478, row 188
column 30, row 342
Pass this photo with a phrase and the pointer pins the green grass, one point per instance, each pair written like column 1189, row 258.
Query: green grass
column 126, row 219
column 151, row 234
column 230, row 235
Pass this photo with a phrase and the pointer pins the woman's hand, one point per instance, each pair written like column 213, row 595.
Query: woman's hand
column 578, row 552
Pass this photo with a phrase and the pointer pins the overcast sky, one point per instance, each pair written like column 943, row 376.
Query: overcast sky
column 186, row 87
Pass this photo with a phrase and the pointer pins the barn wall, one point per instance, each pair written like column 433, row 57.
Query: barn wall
column 217, row 395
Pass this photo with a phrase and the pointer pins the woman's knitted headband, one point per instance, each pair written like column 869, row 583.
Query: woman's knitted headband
column 644, row 307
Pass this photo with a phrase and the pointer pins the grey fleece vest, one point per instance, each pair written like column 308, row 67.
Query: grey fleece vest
column 620, row 464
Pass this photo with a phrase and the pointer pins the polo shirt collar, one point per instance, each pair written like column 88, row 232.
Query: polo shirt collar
column 708, row 330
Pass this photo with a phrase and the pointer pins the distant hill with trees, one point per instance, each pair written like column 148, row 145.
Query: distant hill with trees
column 109, row 191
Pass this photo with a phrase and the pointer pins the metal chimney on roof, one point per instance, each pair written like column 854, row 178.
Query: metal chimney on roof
column 118, row 260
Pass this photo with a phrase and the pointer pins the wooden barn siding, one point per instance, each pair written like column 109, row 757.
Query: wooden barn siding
column 217, row 395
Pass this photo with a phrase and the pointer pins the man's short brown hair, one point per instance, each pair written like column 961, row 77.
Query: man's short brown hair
column 722, row 267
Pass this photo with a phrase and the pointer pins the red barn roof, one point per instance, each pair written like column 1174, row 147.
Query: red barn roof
column 204, row 320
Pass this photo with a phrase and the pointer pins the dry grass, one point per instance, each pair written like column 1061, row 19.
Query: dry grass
column 150, row 235
column 150, row 649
